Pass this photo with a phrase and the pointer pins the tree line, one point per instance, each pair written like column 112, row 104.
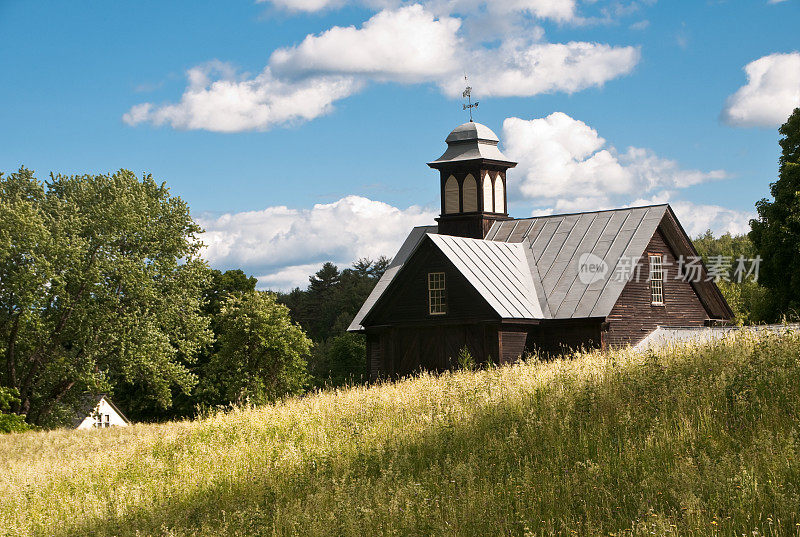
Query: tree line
column 103, row 290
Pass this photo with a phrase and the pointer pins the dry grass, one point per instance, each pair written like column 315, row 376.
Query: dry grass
column 691, row 441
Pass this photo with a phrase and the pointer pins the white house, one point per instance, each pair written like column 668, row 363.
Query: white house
column 100, row 412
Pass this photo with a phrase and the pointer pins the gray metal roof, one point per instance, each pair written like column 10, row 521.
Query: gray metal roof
column 471, row 141
column 555, row 243
column 529, row 268
column 408, row 247
column 498, row 271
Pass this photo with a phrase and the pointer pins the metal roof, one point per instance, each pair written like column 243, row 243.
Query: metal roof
column 498, row 271
column 555, row 243
column 529, row 268
column 472, row 141
column 408, row 247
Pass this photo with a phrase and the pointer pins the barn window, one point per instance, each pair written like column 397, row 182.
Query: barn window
column 470, row 194
column 451, row 201
column 98, row 420
column 656, row 280
column 499, row 196
column 488, row 195
column 436, row 298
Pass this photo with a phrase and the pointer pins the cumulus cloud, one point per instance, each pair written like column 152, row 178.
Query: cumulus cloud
column 284, row 245
column 771, row 93
column 406, row 45
column 558, row 10
column 521, row 68
column 216, row 100
column 560, row 156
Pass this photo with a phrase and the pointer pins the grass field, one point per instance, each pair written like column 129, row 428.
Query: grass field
column 689, row 441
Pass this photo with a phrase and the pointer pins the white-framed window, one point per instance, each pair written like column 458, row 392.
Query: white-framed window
column 437, row 305
column 656, row 280
column 98, row 420
column 107, row 420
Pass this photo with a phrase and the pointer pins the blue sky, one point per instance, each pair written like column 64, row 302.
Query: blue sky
column 298, row 130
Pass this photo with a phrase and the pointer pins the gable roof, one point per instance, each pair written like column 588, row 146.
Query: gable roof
column 556, row 242
column 537, row 276
column 408, row 247
column 498, row 271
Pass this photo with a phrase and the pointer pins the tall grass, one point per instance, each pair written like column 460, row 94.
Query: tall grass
column 689, row 441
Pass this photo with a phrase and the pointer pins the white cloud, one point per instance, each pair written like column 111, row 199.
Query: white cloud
column 217, row 100
column 521, row 68
column 560, row 157
column 771, row 93
column 283, row 244
column 696, row 218
column 406, row 45
column 558, row 10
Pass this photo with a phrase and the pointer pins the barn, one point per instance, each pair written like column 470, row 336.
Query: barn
column 503, row 286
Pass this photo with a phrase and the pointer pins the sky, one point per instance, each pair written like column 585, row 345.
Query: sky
column 298, row 130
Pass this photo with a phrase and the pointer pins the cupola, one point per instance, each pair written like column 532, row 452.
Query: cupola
column 473, row 181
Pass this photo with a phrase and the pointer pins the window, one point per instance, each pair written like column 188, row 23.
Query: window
column 108, row 420
column 436, row 298
column 499, row 195
column 470, row 189
column 656, row 280
column 98, row 420
column 451, row 201
column 488, row 195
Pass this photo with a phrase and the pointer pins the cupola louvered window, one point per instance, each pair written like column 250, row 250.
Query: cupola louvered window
column 451, row 197
column 470, row 194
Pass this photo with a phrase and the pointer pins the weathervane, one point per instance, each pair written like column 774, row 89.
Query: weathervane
column 468, row 94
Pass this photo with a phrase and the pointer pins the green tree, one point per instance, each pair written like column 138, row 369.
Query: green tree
column 750, row 301
column 340, row 360
column 10, row 423
column 100, row 290
column 261, row 352
column 776, row 231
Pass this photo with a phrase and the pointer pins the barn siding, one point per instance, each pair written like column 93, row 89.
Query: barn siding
column 406, row 301
column 633, row 316
column 555, row 337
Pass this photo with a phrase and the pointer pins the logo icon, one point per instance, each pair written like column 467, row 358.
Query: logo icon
column 591, row 268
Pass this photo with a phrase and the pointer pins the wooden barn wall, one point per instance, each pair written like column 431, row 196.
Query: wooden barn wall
column 633, row 316
column 406, row 300
column 511, row 342
column 407, row 350
column 552, row 338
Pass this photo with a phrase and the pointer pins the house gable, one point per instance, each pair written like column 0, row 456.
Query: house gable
column 405, row 300
column 634, row 316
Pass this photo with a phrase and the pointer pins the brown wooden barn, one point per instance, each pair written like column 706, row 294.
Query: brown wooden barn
column 503, row 286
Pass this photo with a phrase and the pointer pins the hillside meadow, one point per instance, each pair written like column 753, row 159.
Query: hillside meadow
column 687, row 441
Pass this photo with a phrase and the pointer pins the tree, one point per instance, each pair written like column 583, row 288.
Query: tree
column 776, row 231
column 751, row 302
column 221, row 286
column 100, row 290
column 10, row 423
column 261, row 352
